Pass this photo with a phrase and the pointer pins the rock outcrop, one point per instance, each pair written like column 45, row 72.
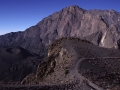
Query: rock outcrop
column 72, row 59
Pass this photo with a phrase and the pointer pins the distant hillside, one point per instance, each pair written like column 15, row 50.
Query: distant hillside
column 102, row 27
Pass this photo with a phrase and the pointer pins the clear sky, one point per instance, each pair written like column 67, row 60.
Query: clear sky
column 18, row 15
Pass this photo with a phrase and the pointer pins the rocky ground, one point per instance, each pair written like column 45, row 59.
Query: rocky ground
column 104, row 72
column 75, row 85
column 74, row 64
column 62, row 66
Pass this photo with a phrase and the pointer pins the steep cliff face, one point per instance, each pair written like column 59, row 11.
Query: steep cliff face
column 102, row 27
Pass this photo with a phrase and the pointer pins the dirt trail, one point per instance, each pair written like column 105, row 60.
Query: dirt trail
column 75, row 71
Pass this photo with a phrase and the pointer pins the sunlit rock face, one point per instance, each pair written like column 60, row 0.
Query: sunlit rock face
column 101, row 27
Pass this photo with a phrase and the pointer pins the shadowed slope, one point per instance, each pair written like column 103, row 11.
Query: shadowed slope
column 16, row 63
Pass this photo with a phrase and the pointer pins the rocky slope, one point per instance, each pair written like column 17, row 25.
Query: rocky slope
column 73, row 60
column 16, row 63
column 102, row 27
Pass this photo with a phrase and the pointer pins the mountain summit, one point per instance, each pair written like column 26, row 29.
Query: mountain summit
column 101, row 27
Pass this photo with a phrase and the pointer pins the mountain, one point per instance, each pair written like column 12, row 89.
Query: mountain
column 78, row 65
column 102, row 27
column 65, row 50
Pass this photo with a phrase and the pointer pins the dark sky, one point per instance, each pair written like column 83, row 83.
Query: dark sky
column 18, row 15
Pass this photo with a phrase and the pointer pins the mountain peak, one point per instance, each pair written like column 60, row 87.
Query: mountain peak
column 73, row 8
